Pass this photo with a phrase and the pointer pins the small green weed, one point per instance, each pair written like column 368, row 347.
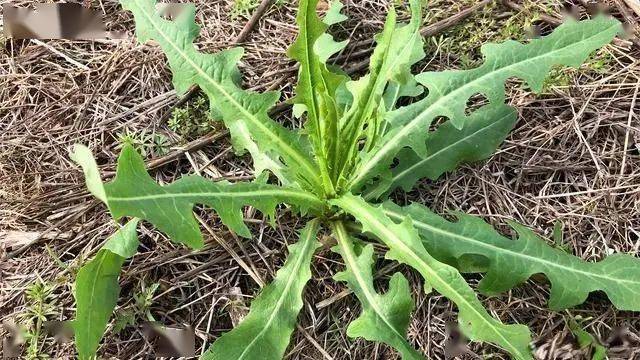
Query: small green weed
column 144, row 300
column 192, row 120
column 123, row 318
column 586, row 340
column 244, row 7
column 141, row 308
column 147, row 143
column 40, row 305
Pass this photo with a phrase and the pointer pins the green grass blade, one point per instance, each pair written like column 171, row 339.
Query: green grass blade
column 265, row 332
column 384, row 318
column 243, row 112
column 134, row 193
column 511, row 262
column 97, row 289
column 406, row 247
column 447, row 147
column 449, row 91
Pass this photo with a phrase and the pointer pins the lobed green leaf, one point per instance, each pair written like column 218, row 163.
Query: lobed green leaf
column 244, row 113
column 384, row 318
column 265, row 332
column 449, row 91
column 511, row 262
column 406, row 247
column 134, row 193
column 447, row 147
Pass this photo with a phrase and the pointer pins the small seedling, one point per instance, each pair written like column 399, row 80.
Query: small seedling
column 147, row 144
column 243, row 7
column 192, row 119
column 40, row 307
column 144, row 300
column 586, row 340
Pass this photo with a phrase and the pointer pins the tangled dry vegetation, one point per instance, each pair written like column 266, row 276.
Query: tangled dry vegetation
column 570, row 170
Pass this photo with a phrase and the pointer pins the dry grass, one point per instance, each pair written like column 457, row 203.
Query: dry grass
column 574, row 157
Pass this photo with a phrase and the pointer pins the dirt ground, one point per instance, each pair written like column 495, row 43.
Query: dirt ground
column 572, row 163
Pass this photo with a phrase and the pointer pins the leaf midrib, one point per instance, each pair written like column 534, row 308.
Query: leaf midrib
column 93, row 290
column 307, row 54
column 292, row 276
column 294, row 154
column 223, row 194
column 401, row 174
column 511, row 252
column 391, row 143
column 371, row 298
column 461, row 299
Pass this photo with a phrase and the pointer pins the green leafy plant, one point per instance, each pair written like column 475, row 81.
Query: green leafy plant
column 40, row 302
column 146, row 143
column 587, row 341
column 356, row 147
column 192, row 119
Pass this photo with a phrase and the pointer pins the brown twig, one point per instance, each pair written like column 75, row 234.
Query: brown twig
column 248, row 28
column 191, row 146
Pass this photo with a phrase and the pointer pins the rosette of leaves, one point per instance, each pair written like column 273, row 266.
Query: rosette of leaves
column 357, row 145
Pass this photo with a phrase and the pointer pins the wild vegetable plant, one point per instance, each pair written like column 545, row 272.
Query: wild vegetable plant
column 357, row 145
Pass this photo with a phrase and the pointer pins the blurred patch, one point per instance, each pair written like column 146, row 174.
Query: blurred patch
column 60, row 331
column 598, row 8
column 570, row 11
column 623, row 343
column 534, row 31
column 171, row 11
column 55, row 21
column 455, row 345
column 12, row 340
column 236, row 306
column 170, row 341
